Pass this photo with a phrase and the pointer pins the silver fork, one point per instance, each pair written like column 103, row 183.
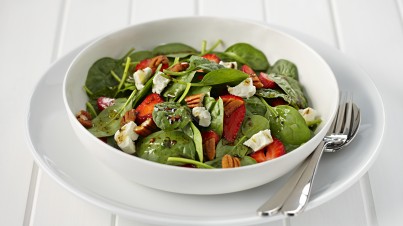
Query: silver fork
column 293, row 197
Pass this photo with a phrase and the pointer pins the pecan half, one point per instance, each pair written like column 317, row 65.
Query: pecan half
column 256, row 81
column 130, row 116
column 146, row 128
column 179, row 67
column 155, row 61
column 84, row 117
column 231, row 104
column 229, row 161
column 195, row 100
column 209, row 148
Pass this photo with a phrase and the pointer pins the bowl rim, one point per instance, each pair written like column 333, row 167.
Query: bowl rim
column 261, row 25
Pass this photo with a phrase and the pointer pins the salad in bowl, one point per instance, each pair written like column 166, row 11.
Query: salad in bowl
column 201, row 108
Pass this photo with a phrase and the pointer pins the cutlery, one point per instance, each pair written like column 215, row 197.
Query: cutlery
column 293, row 197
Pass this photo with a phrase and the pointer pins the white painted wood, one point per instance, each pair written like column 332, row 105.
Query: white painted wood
column 143, row 11
column 252, row 10
column 25, row 53
column 312, row 17
column 372, row 34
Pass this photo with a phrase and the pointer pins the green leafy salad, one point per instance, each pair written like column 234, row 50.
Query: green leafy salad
column 198, row 108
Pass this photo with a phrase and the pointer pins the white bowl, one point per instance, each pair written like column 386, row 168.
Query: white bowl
column 314, row 73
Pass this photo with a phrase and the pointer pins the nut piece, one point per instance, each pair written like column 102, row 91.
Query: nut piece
column 195, row 100
column 146, row 128
column 256, row 81
column 179, row 67
column 84, row 117
column 155, row 61
column 231, row 104
column 229, row 161
column 130, row 116
column 209, row 148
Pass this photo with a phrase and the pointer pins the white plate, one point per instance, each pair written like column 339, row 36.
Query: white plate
column 61, row 155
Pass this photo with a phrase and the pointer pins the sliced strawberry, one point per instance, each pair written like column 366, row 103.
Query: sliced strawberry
column 233, row 122
column 231, row 103
column 275, row 149
column 267, row 82
column 210, row 134
column 212, row 57
column 248, row 70
column 143, row 64
column 104, row 102
column 259, row 156
column 146, row 108
column 277, row 101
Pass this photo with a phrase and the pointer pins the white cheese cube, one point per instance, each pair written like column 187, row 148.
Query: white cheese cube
column 309, row 114
column 126, row 136
column 141, row 76
column 159, row 83
column 203, row 115
column 245, row 89
column 233, row 65
column 259, row 140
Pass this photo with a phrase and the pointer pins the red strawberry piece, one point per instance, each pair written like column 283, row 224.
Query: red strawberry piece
column 104, row 102
column 231, row 103
column 143, row 64
column 275, row 149
column 267, row 82
column 212, row 57
column 259, row 156
column 233, row 122
column 146, row 108
column 248, row 70
column 210, row 134
column 277, row 101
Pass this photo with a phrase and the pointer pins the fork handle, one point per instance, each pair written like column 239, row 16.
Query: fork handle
column 299, row 197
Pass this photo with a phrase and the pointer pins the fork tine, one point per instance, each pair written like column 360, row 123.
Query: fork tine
column 349, row 114
column 340, row 114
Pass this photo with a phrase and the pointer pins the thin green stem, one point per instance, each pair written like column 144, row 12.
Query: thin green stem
column 115, row 76
column 270, row 108
column 188, row 85
column 124, row 76
column 214, row 46
column 88, row 91
column 203, row 47
column 91, row 109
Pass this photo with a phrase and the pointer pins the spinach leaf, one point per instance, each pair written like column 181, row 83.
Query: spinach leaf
column 292, row 88
column 108, row 121
column 222, row 76
column 272, row 93
column 238, row 149
column 255, row 106
column 197, row 63
column 171, row 115
column 197, row 138
column 173, row 49
column 160, row 145
column 141, row 55
column 247, row 54
column 216, row 109
column 175, row 89
column 284, row 67
column 247, row 160
column 253, row 124
column 288, row 125
column 100, row 81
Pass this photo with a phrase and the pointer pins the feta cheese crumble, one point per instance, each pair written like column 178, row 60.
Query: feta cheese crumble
column 309, row 114
column 259, row 140
column 245, row 89
column 141, row 76
column 233, row 65
column 203, row 115
column 126, row 136
column 159, row 83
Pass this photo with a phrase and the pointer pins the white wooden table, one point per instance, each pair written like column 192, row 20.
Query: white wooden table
column 33, row 34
